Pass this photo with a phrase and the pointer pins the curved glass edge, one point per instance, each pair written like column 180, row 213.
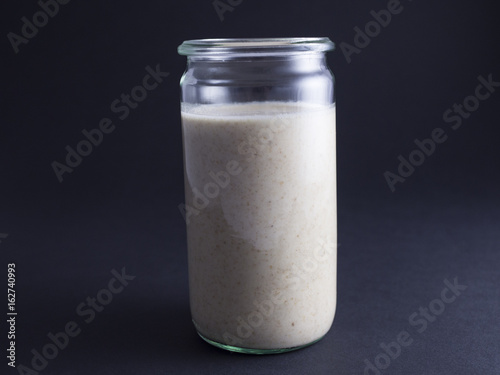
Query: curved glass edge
column 241, row 350
column 210, row 47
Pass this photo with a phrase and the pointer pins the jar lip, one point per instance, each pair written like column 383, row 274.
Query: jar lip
column 254, row 46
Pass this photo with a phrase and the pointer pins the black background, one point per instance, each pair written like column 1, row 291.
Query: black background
column 119, row 208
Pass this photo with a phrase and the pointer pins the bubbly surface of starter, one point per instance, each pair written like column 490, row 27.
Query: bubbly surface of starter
column 260, row 183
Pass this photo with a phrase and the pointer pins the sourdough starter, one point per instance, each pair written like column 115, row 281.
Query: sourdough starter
column 260, row 184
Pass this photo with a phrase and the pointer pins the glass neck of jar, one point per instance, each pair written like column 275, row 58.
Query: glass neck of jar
column 299, row 62
column 297, row 77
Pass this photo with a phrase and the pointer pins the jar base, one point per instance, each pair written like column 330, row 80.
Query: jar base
column 237, row 349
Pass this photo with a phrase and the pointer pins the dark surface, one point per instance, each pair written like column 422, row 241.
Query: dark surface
column 119, row 207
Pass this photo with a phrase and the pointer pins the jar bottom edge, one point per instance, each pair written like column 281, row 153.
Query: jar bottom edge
column 242, row 350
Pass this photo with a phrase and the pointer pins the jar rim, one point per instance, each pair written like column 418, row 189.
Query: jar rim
column 254, row 46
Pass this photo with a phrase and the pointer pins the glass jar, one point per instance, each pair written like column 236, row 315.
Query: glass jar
column 258, row 126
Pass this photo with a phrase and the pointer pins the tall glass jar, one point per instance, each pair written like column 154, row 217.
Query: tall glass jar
column 258, row 122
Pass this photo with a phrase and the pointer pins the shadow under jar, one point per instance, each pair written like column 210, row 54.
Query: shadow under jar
column 258, row 125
